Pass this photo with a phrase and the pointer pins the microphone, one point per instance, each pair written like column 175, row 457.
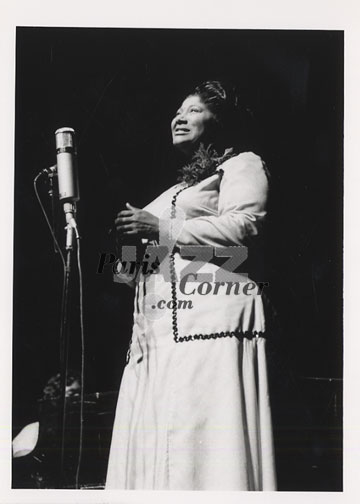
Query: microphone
column 67, row 173
column 67, row 165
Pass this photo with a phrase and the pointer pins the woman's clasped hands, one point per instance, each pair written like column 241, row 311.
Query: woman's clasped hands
column 135, row 221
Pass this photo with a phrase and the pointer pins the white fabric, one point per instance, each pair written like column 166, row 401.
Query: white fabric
column 195, row 415
column 25, row 442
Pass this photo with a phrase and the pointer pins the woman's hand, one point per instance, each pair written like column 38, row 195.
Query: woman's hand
column 135, row 221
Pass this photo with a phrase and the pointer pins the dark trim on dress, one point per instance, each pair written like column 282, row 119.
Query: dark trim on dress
column 193, row 337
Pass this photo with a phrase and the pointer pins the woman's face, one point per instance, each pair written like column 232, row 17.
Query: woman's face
column 191, row 121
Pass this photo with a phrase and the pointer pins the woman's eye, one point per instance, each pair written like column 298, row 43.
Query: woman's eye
column 195, row 109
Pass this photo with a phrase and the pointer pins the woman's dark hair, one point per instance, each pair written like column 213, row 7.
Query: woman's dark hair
column 229, row 111
column 230, row 130
column 221, row 99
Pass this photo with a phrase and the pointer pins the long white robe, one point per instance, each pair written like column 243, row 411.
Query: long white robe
column 193, row 411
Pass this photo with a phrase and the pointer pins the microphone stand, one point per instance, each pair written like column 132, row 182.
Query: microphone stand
column 71, row 229
column 66, row 170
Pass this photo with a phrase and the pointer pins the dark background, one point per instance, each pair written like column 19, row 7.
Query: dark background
column 119, row 89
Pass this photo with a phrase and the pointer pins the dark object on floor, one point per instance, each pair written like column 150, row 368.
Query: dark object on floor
column 41, row 467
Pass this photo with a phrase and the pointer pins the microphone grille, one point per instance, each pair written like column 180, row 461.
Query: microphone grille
column 65, row 138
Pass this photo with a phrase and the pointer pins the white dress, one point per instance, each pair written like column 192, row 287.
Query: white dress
column 193, row 411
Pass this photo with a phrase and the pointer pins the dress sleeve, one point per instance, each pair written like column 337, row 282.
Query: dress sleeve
column 241, row 207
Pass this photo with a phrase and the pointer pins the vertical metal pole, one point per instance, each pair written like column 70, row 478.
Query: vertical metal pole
column 64, row 347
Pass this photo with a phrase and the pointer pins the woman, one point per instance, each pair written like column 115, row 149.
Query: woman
column 193, row 410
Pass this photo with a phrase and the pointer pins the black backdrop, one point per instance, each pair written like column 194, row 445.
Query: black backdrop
column 118, row 88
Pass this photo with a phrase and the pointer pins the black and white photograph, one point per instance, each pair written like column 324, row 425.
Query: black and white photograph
column 178, row 261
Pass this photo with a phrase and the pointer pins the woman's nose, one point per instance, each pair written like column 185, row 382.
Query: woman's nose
column 181, row 118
